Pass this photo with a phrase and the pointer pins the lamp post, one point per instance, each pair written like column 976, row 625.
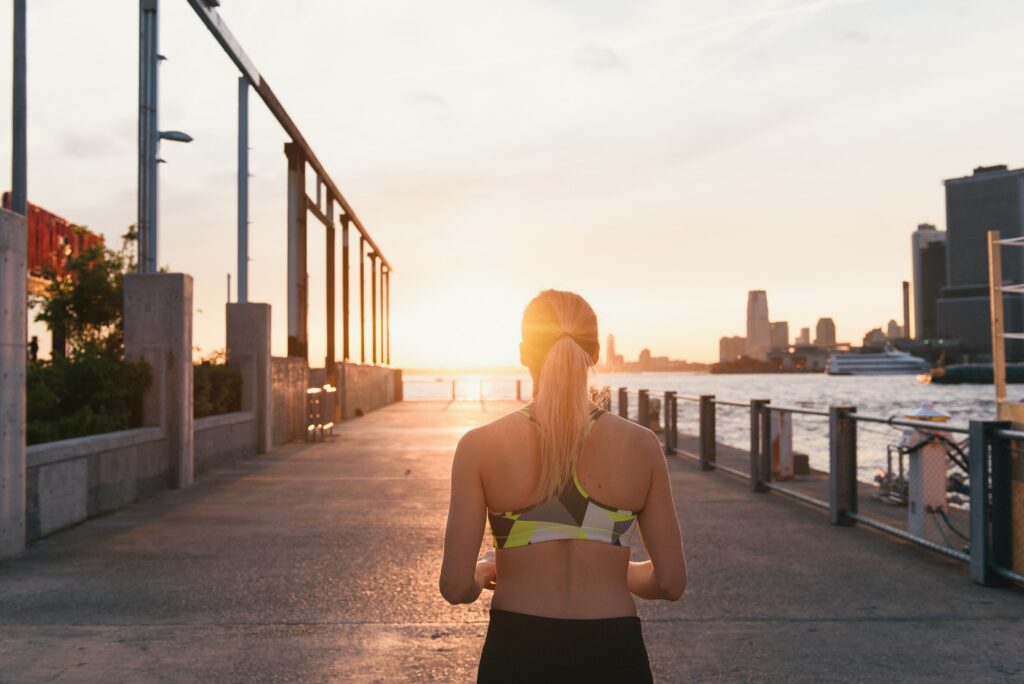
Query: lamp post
column 149, row 134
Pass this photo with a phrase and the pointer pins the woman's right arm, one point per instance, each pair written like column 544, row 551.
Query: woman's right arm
column 664, row 575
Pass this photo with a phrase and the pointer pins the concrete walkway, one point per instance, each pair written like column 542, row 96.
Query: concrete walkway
column 319, row 563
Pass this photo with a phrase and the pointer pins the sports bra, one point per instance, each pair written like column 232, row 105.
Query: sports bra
column 573, row 514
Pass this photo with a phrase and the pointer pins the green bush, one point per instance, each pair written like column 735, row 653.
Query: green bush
column 216, row 389
column 87, row 394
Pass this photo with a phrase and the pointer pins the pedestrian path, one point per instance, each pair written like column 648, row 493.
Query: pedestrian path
column 319, row 563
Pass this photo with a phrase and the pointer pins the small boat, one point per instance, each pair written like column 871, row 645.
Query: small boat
column 888, row 361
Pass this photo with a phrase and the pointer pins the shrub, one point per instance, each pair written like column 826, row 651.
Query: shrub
column 216, row 389
column 87, row 394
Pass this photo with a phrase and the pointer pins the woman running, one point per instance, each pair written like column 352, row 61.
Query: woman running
column 566, row 487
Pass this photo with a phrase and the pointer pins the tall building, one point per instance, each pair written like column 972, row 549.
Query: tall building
column 780, row 334
column 825, row 333
column 609, row 352
column 928, row 250
column 893, row 331
column 992, row 198
column 759, row 334
column 731, row 348
column 645, row 357
column 804, row 337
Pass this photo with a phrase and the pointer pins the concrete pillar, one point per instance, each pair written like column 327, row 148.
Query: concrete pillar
column 298, row 277
column 13, row 352
column 248, row 347
column 158, row 313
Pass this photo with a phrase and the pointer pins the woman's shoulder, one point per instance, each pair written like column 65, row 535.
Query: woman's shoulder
column 493, row 432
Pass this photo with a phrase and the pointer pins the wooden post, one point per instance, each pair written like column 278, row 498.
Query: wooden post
column 995, row 291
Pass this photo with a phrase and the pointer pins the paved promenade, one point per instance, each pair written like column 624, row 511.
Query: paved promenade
column 319, row 563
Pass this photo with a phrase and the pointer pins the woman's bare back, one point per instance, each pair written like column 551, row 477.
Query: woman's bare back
column 567, row 578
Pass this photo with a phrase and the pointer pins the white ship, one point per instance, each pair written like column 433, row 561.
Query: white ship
column 886, row 362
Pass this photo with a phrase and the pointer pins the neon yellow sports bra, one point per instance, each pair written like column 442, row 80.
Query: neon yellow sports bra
column 573, row 514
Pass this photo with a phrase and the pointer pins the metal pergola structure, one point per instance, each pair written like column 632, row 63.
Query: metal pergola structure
column 299, row 154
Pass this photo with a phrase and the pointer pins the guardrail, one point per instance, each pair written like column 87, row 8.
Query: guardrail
column 990, row 445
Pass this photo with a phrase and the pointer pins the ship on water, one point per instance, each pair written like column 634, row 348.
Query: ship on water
column 887, row 361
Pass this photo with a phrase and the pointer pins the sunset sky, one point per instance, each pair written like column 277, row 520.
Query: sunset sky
column 660, row 158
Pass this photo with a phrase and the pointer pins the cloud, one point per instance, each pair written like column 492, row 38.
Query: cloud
column 598, row 59
column 430, row 100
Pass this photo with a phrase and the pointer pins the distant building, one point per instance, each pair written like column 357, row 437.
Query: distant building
column 609, row 351
column 780, row 334
column 893, row 331
column 645, row 357
column 731, row 348
column 825, row 333
column 759, row 336
column 992, row 198
column 928, row 249
column 804, row 337
column 875, row 338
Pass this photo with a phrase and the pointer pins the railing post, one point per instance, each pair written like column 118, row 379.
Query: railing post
column 643, row 408
column 766, row 444
column 756, row 444
column 453, row 390
column 842, row 476
column 624, row 402
column 669, row 420
column 519, row 390
column 989, row 507
column 707, row 432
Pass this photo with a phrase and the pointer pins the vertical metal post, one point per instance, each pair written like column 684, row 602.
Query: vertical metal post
column 298, row 277
column 707, row 432
column 766, row 444
column 756, row 429
column 669, row 420
column 149, row 135
column 643, row 408
column 519, row 390
column 995, row 290
column 329, row 369
column 989, row 532
column 362, row 300
column 387, row 316
column 624, row 403
column 344, row 289
column 243, row 190
column 842, row 476
column 373, row 305
column 19, row 120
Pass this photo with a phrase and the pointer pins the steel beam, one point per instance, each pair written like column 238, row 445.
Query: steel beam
column 329, row 360
column 298, row 278
column 243, row 189
column 373, row 303
column 362, row 299
column 19, row 125
column 227, row 41
column 344, row 289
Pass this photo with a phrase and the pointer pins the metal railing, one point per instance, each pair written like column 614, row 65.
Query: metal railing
column 991, row 447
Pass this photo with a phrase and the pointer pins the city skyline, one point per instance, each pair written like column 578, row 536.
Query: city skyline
column 590, row 121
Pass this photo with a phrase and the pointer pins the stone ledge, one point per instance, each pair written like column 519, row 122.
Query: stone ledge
column 80, row 447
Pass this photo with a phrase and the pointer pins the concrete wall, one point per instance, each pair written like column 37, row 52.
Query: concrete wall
column 74, row 479
column 289, row 381
column 224, row 438
column 364, row 388
column 13, row 328
column 248, row 347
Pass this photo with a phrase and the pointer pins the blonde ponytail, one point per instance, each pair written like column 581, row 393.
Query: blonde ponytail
column 560, row 331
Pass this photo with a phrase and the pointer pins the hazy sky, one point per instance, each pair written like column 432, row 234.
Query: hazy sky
column 660, row 158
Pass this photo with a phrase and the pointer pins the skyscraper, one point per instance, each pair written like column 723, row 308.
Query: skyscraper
column 928, row 249
column 609, row 352
column 804, row 337
column 780, row 334
column 825, row 333
column 759, row 334
column 992, row 198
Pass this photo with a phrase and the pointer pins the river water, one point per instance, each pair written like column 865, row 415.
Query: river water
column 881, row 396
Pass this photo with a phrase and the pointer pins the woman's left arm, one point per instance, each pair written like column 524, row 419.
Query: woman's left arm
column 461, row 579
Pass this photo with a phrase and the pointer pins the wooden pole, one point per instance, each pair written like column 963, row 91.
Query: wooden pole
column 995, row 290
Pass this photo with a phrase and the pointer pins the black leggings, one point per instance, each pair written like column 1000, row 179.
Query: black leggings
column 529, row 648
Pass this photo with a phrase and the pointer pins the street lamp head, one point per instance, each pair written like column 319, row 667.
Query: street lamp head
column 175, row 136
